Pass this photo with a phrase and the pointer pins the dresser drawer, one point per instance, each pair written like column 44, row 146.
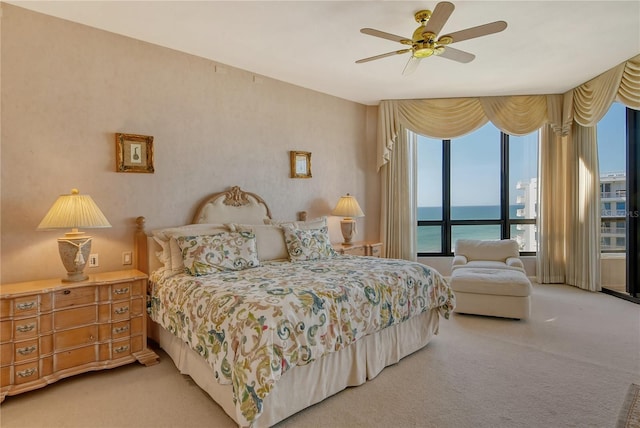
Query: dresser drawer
column 136, row 307
column 75, row 357
column 46, row 366
column 25, row 328
column 137, row 288
column 26, row 350
column 6, row 354
column 5, row 376
column 75, row 337
column 375, row 250
column 136, row 343
column 46, row 323
column 25, row 306
column 46, row 344
column 6, row 329
column 5, row 308
column 136, row 326
column 74, row 297
column 74, row 317
column 121, row 291
column 26, row 372
column 45, row 302
column 121, row 310
column 120, row 348
column 121, row 329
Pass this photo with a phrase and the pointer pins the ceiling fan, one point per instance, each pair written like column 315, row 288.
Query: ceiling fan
column 425, row 41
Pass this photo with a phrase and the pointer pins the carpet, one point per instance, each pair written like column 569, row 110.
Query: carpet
column 630, row 412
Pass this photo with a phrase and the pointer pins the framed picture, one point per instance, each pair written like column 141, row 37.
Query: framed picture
column 300, row 164
column 134, row 153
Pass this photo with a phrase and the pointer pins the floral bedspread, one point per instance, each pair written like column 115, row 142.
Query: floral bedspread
column 253, row 325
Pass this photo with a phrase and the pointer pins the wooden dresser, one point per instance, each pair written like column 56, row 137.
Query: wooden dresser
column 51, row 329
column 360, row 248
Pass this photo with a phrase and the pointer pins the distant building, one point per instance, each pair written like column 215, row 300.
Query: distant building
column 526, row 234
column 613, row 202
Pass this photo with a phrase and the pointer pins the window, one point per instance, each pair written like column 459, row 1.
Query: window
column 612, row 163
column 479, row 186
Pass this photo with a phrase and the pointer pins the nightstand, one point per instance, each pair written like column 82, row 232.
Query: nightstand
column 51, row 329
column 360, row 248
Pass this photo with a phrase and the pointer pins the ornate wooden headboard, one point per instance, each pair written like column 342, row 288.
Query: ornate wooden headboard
column 231, row 206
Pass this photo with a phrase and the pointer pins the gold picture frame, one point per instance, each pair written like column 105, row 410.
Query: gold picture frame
column 134, row 153
column 300, row 164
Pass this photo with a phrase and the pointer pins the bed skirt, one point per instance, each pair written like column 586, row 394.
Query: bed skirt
column 331, row 374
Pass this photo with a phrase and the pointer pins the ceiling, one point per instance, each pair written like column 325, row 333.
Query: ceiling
column 548, row 46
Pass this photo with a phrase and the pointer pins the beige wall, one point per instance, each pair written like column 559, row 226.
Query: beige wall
column 67, row 89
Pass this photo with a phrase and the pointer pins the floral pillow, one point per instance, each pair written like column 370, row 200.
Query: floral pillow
column 308, row 244
column 171, row 254
column 207, row 254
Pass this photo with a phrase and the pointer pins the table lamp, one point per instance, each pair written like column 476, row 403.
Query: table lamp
column 348, row 208
column 73, row 212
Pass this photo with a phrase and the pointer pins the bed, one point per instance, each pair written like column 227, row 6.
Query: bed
column 268, row 319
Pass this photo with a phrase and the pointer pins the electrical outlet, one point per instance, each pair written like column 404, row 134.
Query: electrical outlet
column 93, row 260
column 126, row 258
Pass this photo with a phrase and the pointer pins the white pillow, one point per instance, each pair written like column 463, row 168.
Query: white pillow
column 316, row 223
column 207, row 254
column 269, row 240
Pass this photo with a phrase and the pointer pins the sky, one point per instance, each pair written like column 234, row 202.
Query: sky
column 475, row 162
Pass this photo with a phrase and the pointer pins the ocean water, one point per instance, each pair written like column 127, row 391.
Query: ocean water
column 429, row 237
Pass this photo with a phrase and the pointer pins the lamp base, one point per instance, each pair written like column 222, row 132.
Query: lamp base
column 75, row 277
column 74, row 253
column 348, row 227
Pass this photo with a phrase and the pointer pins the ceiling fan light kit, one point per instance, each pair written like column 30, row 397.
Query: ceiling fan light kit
column 425, row 41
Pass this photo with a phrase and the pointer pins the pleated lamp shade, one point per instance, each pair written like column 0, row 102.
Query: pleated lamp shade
column 74, row 211
column 348, row 207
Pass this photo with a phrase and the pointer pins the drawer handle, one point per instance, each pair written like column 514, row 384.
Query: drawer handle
column 26, row 327
column 25, row 306
column 27, row 350
column 121, row 290
column 65, row 292
column 121, row 329
column 120, row 349
column 27, row 372
column 122, row 310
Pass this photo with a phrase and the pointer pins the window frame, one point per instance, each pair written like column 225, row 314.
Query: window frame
column 446, row 223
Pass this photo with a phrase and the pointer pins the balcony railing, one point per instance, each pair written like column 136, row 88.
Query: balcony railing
column 616, row 231
column 614, row 195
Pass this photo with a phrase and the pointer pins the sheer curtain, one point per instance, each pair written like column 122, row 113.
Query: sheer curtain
column 569, row 222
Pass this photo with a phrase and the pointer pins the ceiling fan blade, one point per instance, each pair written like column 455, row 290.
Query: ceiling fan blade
column 384, row 55
column 439, row 17
column 382, row 34
column 411, row 66
column 457, row 55
column 479, row 31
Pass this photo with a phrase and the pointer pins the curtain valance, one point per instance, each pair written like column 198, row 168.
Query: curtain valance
column 592, row 100
column 455, row 117
column 515, row 115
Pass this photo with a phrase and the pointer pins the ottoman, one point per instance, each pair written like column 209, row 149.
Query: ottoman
column 502, row 293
